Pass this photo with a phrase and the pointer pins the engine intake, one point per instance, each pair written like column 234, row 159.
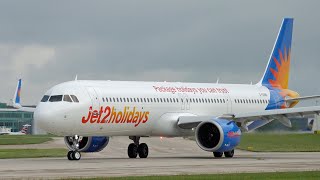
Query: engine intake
column 217, row 135
column 88, row 144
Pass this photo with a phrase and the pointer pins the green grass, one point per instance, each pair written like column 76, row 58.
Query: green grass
column 260, row 176
column 23, row 139
column 265, row 142
column 31, row 153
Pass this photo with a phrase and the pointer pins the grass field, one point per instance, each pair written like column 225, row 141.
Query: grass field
column 267, row 142
column 31, row 153
column 260, row 176
column 23, row 139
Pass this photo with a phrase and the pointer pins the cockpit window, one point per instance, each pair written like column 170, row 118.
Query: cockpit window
column 74, row 98
column 67, row 98
column 55, row 98
column 45, row 98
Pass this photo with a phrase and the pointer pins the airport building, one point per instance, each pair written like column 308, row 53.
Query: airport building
column 15, row 119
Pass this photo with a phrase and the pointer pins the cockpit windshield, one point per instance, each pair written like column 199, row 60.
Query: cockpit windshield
column 74, row 98
column 55, row 98
column 45, row 98
column 58, row 98
column 67, row 98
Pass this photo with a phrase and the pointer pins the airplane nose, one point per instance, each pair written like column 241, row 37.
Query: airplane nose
column 41, row 119
column 46, row 119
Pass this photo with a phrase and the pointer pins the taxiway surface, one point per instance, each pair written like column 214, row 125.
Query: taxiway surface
column 168, row 156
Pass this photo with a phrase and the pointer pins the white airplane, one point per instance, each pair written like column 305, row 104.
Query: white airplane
column 87, row 113
column 23, row 131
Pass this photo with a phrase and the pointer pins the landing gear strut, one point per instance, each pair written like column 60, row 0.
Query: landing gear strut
column 135, row 148
column 74, row 154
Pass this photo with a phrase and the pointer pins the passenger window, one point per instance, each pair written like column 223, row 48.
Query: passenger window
column 106, row 99
column 45, row 98
column 67, row 98
column 74, row 98
column 102, row 99
column 55, row 98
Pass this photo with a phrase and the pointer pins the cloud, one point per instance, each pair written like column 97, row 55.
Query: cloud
column 31, row 55
column 48, row 42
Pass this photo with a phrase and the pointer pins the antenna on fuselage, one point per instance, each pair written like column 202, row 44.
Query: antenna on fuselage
column 218, row 80
column 76, row 77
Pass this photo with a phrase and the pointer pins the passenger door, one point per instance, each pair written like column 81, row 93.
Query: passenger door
column 94, row 98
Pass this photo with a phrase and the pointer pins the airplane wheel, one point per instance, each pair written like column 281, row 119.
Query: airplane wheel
column 76, row 155
column 132, row 150
column 69, row 155
column 143, row 150
column 229, row 154
column 218, row 154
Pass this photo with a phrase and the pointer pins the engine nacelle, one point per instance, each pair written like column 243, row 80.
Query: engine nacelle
column 88, row 144
column 217, row 135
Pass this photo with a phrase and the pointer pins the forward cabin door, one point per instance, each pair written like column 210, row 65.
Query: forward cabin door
column 94, row 98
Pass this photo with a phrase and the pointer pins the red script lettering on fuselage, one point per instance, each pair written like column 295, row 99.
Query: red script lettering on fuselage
column 111, row 115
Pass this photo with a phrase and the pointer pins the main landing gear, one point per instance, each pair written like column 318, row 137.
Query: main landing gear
column 135, row 148
column 74, row 154
column 227, row 154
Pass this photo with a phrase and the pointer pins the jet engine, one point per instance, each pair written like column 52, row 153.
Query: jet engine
column 217, row 135
column 88, row 144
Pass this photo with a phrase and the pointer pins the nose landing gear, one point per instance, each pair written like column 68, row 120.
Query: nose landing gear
column 74, row 154
column 135, row 148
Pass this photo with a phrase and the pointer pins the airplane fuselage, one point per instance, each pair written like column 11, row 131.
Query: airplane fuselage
column 111, row 108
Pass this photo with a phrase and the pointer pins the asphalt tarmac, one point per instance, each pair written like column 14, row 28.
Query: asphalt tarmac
column 167, row 156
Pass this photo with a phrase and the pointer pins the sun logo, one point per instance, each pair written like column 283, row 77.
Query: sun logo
column 281, row 73
column 281, row 77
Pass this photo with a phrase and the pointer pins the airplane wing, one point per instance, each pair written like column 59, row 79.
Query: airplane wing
column 24, row 109
column 258, row 119
column 16, row 101
column 303, row 98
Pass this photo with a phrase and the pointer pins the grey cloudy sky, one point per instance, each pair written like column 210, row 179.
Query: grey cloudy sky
column 49, row 42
